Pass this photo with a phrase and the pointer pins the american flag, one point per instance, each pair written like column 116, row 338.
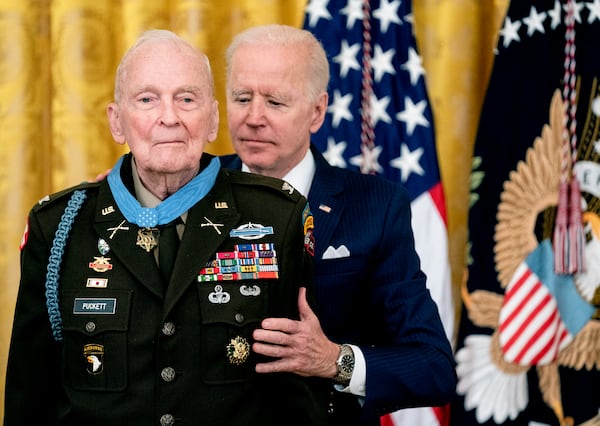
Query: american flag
column 379, row 121
column 541, row 311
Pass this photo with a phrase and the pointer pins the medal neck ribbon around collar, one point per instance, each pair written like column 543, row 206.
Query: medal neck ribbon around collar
column 172, row 207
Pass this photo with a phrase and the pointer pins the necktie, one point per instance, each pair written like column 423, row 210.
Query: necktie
column 168, row 245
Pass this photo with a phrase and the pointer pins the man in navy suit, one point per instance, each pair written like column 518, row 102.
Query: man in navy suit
column 378, row 334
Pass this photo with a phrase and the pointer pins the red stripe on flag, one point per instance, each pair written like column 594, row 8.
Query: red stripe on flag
column 442, row 414
column 511, row 292
column 437, row 195
column 541, row 330
column 386, row 420
column 517, row 334
column 564, row 335
column 512, row 289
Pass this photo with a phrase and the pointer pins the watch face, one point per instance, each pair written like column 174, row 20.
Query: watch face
column 347, row 363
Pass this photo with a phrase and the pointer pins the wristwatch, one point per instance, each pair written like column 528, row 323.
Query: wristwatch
column 345, row 366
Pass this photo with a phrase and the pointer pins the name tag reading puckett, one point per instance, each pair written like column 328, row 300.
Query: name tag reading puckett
column 98, row 306
column 246, row 262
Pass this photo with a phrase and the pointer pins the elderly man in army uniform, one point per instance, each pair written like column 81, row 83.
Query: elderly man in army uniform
column 106, row 330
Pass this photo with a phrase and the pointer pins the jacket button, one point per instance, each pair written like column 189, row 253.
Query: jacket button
column 90, row 326
column 239, row 317
column 167, row 374
column 168, row 328
column 167, row 420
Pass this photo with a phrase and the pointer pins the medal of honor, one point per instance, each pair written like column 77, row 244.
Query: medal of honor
column 147, row 238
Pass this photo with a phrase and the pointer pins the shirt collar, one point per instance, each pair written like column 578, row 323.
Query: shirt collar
column 145, row 197
column 301, row 176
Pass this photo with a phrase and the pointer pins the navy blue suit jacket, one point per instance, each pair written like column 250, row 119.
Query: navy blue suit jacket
column 376, row 297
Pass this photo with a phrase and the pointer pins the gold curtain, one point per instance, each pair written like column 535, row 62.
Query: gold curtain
column 456, row 39
column 57, row 63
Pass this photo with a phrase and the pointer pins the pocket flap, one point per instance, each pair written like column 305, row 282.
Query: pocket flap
column 107, row 309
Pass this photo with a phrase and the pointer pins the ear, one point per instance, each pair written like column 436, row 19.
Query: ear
column 112, row 111
column 319, row 111
column 214, row 122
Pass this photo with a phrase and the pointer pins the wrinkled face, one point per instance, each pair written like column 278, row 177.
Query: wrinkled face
column 166, row 112
column 270, row 112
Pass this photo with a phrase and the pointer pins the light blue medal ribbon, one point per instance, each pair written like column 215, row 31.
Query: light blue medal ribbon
column 172, row 207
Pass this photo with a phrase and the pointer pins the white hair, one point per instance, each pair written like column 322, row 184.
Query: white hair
column 156, row 36
column 284, row 35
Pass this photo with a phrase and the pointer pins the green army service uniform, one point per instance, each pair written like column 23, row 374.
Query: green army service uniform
column 120, row 349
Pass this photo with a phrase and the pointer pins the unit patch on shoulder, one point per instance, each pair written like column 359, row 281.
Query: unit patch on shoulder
column 25, row 236
column 308, row 225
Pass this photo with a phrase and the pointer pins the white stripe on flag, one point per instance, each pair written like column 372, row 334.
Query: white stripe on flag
column 530, row 330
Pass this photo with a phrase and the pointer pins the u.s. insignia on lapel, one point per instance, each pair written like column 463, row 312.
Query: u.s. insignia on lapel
column 108, row 210
column 238, row 350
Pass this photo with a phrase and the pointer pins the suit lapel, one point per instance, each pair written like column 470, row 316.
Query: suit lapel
column 207, row 226
column 121, row 237
column 325, row 202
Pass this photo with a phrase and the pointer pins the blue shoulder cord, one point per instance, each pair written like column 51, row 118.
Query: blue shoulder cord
column 55, row 259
